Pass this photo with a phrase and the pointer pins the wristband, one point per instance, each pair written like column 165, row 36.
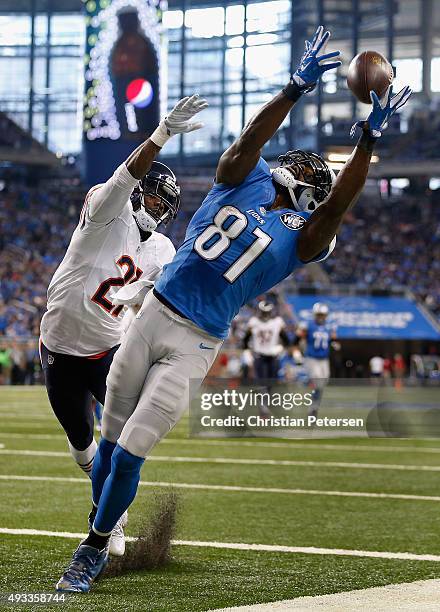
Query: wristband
column 161, row 134
column 367, row 141
column 292, row 90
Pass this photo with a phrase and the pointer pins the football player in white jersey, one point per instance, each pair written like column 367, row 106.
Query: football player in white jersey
column 114, row 246
column 267, row 335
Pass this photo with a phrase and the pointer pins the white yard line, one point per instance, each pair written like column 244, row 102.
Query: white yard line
column 306, row 550
column 234, row 488
column 422, row 595
column 238, row 461
column 238, row 443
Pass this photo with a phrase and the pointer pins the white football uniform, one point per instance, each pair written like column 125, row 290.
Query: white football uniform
column 266, row 335
column 104, row 254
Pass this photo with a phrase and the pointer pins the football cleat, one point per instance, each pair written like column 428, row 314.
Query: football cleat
column 86, row 565
column 117, row 539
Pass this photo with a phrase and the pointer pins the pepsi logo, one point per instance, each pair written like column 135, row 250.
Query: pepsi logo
column 140, row 93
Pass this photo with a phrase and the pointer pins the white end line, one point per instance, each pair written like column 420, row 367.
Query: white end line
column 306, row 550
column 236, row 488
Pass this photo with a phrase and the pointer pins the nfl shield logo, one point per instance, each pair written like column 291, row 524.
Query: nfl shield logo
column 292, row 221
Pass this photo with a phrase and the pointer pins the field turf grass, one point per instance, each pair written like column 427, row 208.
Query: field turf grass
column 201, row 578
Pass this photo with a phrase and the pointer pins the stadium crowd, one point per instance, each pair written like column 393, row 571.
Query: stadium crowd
column 384, row 243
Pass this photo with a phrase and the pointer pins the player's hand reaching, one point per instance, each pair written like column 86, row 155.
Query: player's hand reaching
column 179, row 119
column 312, row 64
column 382, row 110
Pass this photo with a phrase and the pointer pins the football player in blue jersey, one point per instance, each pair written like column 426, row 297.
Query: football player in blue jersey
column 253, row 229
column 318, row 335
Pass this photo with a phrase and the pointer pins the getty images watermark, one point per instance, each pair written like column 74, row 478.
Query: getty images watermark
column 221, row 408
column 331, row 409
column 243, row 403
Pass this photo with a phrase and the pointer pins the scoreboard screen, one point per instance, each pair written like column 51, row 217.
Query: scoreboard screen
column 122, row 68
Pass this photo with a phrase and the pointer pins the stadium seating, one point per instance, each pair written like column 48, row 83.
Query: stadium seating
column 384, row 244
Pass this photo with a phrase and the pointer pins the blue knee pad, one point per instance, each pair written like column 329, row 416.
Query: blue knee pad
column 119, row 489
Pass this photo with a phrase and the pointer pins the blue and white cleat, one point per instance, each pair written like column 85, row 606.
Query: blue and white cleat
column 86, row 565
column 116, row 546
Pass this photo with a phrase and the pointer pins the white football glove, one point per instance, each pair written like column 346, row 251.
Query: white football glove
column 132, row 294
column 178, row 121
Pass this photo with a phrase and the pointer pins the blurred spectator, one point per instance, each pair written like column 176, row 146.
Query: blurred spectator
column 387, row 368
column 398, row 369
column 32, row 362
column 5, row 364
column 18, row 364
column 376, row 367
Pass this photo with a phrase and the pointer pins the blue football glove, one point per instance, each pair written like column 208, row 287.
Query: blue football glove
column 311, row 67
column 377, row 120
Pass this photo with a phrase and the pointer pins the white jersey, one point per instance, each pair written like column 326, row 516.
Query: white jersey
column 265, row 335
column 104, row 254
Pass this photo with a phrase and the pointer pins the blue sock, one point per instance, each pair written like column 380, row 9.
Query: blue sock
column 119, row 489
column 101, row 467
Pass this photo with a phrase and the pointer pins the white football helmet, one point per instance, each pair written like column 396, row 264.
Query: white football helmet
column 265, row 309
column 320, row 309
column 305, row 196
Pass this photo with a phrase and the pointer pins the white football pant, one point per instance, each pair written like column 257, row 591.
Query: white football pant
column 155, row 373
column 318, row 370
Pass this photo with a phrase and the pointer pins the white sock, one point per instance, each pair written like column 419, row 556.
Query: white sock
column 84, row 458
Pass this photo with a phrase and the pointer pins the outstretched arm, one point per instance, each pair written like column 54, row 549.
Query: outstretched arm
column 242, row 156
column 106, row 202
column 325, row 222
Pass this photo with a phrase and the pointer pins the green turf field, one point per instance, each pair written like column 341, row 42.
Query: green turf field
column 366, row 495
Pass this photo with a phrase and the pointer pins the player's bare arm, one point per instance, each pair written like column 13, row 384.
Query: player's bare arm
column 242, row 156
column 107, row 201
column 325, row 222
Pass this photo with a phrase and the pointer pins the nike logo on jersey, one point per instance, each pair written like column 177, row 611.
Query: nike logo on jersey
column 203, row 346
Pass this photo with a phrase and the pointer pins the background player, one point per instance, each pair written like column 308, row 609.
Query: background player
column 113, row 245
column 227, row 259
column 317, row 336
column 266, row 335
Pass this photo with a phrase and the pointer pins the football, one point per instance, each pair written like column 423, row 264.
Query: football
column 369, row 71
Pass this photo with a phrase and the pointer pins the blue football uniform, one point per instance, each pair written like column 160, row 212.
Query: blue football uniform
column 235, row 249
column 318, row 338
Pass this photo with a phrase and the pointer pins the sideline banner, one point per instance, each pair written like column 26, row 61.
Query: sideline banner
column 391, row 318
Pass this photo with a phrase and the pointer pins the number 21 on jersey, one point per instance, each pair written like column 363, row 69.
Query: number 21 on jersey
column 132, row 273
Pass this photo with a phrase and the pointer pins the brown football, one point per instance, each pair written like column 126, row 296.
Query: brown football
column 369, row 71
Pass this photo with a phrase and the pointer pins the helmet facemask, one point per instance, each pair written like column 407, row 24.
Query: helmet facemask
column 160, row 184
column 304, row 178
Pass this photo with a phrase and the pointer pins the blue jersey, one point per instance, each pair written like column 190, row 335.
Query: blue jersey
column 318, row 338
column 234, row 250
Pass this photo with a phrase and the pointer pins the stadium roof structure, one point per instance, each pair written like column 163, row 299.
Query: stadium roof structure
column 17, row 146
